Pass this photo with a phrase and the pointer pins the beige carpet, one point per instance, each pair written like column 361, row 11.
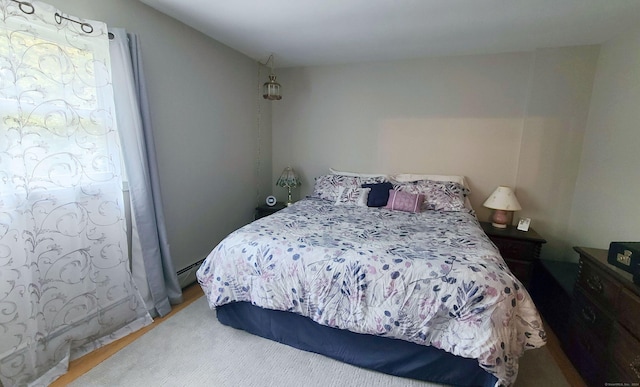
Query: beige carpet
column 193, row 349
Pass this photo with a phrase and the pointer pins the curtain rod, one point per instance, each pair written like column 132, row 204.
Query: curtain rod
column 29, row 9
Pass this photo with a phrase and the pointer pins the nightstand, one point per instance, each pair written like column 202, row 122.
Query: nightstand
column 265, row 210
column 520, row 249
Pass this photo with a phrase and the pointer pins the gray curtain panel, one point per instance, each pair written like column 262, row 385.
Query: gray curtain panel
column 151, row 252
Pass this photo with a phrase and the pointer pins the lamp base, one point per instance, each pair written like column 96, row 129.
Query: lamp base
column 289, row 201
column 500, row 218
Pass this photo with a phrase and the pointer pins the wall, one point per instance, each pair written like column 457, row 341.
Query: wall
column 430, row 115
column 605, row 206
column 497, row 119
column 204, row 102
column 553, row 133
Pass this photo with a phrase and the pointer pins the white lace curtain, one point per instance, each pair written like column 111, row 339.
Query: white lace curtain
column 65, row 285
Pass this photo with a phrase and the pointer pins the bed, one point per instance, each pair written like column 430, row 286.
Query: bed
column 412, row 288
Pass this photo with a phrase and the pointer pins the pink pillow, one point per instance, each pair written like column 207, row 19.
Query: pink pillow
column 404, row 201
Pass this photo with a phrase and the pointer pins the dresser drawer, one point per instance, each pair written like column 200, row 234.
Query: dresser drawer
column 596, row 322
column 625, row 353
column 590, row 345
column 597, row 285
column 587, row 354
column 518, row 250
column 629, row 312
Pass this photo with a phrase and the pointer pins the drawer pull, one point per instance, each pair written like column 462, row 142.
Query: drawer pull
column 586, row 344
column 595, row 284
column 588, row 315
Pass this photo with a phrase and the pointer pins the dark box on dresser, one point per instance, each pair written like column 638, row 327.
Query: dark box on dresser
column 626, row 256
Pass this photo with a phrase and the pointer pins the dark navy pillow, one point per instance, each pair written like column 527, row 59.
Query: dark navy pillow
column 379, row 195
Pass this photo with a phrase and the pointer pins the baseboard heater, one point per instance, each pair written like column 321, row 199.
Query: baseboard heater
column 186, row 269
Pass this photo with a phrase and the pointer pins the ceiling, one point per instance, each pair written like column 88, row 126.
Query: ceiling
column 323, row 32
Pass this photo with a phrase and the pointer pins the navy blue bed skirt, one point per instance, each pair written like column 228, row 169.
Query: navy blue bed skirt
column 391, row 356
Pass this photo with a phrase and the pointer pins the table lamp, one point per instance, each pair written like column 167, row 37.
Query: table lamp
column 503, row 201
column 290, row 180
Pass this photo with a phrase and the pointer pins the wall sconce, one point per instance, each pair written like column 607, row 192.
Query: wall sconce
column 502, row 201
column 288, row 179
column 271, row 90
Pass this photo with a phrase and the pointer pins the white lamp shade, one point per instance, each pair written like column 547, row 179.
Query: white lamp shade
column 503, row 198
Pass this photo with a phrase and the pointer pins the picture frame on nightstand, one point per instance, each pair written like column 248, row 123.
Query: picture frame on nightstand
column 523, row 224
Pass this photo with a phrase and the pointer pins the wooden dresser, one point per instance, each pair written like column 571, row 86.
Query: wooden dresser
column 604, row 338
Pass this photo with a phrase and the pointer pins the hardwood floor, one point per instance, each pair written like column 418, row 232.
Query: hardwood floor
column 82, row 365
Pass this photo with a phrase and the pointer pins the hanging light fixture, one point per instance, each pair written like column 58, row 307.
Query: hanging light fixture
column 271, row 89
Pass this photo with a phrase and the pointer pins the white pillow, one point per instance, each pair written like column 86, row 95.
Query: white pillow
column 352, row 196
column 356, row 174
column 411, row 177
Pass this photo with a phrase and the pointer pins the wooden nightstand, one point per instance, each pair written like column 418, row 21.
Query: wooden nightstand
column 520, row 249
column 265, row 210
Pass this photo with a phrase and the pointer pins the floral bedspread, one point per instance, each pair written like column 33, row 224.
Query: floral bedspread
column 432, row 278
